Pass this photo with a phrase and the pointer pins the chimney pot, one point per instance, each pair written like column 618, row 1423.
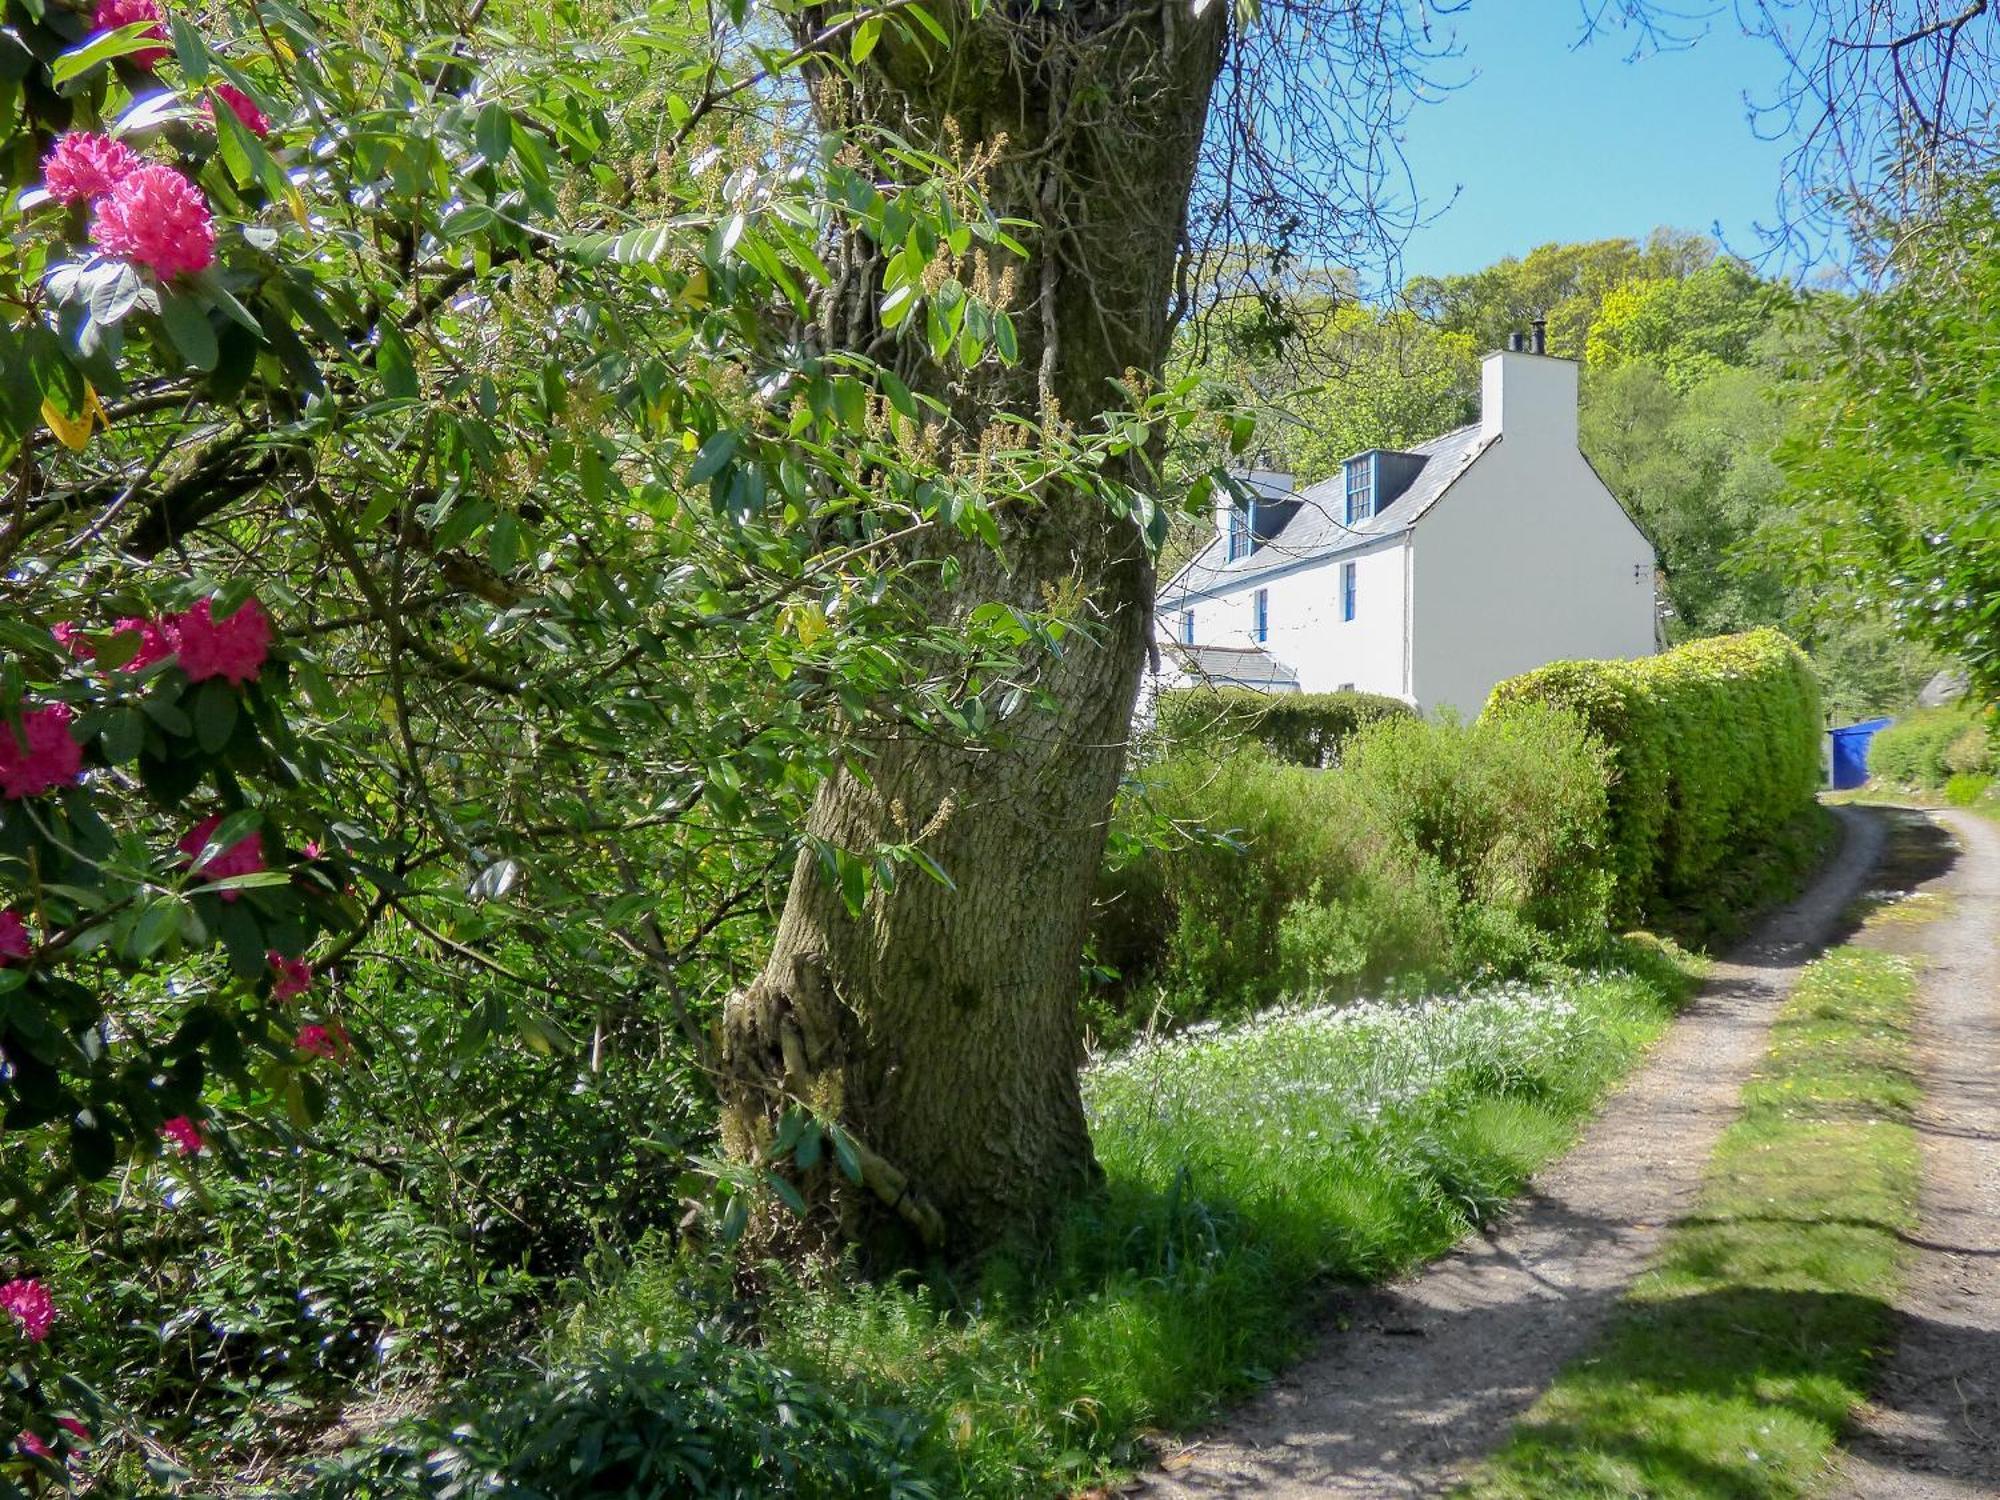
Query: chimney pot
column 1515, row 342
column 1541, row 335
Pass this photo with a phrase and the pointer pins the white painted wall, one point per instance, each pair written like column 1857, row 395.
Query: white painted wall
column 1528, row 558
column 1307, row 632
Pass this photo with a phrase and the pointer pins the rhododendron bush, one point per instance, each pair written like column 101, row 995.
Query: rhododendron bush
column 439, row 560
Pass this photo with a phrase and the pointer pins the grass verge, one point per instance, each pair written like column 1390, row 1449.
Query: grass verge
column 1734, row 1364
column 1244, row 1168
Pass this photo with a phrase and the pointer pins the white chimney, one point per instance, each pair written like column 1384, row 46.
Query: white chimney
column 1527, row 393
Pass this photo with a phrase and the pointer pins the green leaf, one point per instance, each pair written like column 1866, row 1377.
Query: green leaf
column 866, row 35
column 845, row 1154
column 215, row 705
column 787, row 1194
column 503, row 542
column 713, row 456
column 392, row 363
column 190, row 51
column 158, row 922
column 494, row 133
column 232, row 830
column 102, row 47
column 115, row 289
column 123, row 737
column 186, row 322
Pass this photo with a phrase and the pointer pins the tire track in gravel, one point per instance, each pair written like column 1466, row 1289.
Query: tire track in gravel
column 1417, row 1380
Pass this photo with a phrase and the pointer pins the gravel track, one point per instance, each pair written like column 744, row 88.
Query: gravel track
column 1933, row 1431
column 1415, row 1381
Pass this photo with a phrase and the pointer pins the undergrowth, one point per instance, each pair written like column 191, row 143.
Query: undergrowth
column 1244, row 1169
column 1734, row 1365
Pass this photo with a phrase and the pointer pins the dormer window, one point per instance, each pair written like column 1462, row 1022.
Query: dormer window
column 1360, row 488
column 1239, row 532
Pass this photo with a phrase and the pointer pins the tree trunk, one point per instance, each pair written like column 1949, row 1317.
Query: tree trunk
column 939, row 1029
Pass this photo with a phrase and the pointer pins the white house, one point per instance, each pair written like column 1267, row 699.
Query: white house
column 1429, row 575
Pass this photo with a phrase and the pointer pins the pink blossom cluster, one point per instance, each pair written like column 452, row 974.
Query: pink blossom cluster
column 28, row 1302
column 41, row 755
column 294, row 976
column 145, row 211
column 316, row 1040
column 244, row 857
column 112, row 14
column 14, row 945
column 83, row 167
column 233, row 648
column 155, row 217
column 185, row 1134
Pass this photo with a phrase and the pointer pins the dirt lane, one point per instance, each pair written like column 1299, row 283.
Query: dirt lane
column 1417, row 1380
column 1933, row 1432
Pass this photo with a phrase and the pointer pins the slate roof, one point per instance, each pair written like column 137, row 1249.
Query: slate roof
column 1231, row 666
column 1316, row 530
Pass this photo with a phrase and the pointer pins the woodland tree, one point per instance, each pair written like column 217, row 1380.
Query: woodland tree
column 936, row 1021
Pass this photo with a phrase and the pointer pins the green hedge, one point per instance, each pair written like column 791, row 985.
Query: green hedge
column 1715, row 750
column 1303, row 729
column 1933, row 745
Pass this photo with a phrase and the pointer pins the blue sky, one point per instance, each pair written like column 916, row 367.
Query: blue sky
column 1547, row 140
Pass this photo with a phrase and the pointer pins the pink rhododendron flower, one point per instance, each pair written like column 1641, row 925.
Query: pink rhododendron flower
column 112, row 14
column 322, row 1041
column 295, row 976
column 234, row 649
column 185, row 1134
column 155, row 217
column 84, row 166
column 74, row 1428
column 27, row 1301
column 13, row 938
column 41, row 755
column 242, row 104
column 69, row 635
column 311, row 850
column 32, row 1445
column 244, row 857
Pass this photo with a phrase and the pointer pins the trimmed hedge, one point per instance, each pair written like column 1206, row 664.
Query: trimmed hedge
column 1302, row 729
column 1715, row 750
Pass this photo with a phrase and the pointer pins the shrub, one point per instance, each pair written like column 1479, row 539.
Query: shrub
column 1303, row 729
column 1434, row 849
column 1964, row 789
column 709, row 1418
column 1926, row 749
column 1511, row 810
column 1715, row 763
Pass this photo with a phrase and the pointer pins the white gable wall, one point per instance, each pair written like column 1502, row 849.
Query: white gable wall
column 1528, row 558
column 1307, row 631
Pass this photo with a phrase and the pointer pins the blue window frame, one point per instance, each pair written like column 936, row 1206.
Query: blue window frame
column 1360, row 488
column 1239, row 532
column 1262, row 602
column 1187, row 627
column 1347, row 591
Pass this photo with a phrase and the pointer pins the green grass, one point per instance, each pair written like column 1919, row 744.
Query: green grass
column 1733, row 1366
column 1244, row 1169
